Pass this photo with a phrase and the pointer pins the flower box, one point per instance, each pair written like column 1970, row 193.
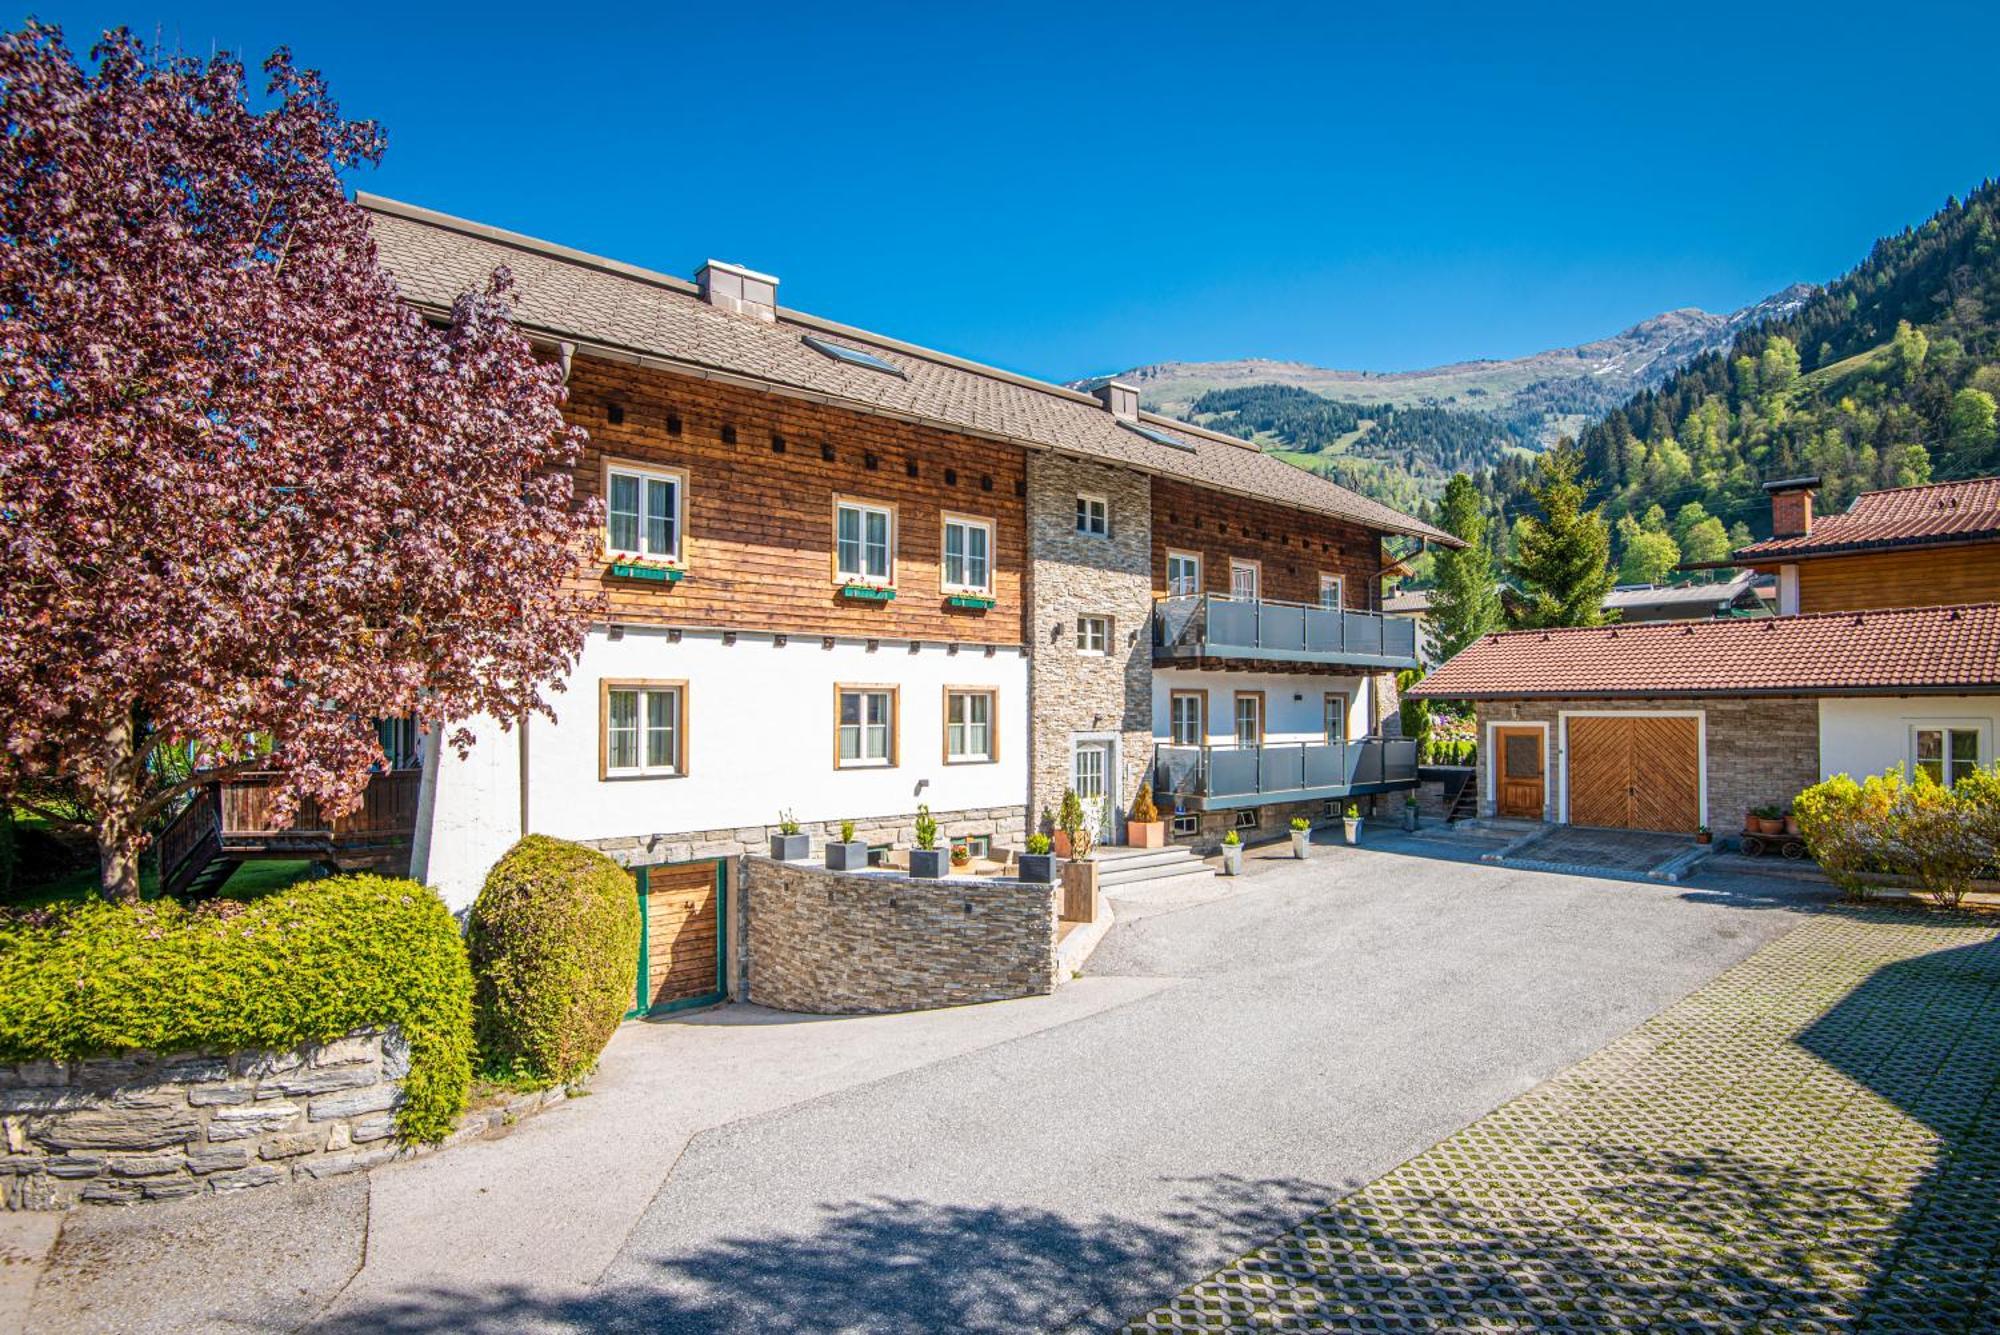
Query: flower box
column 645, row 570
column 970, row 602
column 867, row 593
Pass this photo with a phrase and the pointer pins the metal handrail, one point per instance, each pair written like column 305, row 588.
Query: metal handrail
column 1302, row 629
column 1270, row 768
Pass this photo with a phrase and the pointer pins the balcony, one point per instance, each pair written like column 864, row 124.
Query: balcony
column 231, row 822
column 1223, row 778
column 1207, row 630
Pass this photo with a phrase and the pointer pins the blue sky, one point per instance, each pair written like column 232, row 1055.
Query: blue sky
column 1071, row 189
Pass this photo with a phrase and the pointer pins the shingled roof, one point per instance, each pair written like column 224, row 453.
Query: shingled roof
column 1935, row 515
column 610, row 307
column 1898, row 651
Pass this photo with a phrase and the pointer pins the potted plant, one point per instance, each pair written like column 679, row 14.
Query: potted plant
column 1704, row 836
column 788, row 845
column 1232, row 854
column 1038, row 865
column 1770, row 818
column 1410, row 813
column 961, row 857
column 1144, row 828
column 849, row 854
column 926, row 859
column 1067, row 823
column 1791, row 825
column 1350, row 824
column 1301, row 835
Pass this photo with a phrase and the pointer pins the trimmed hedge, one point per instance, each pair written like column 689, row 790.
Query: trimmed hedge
column 554, row 939
column 1944, row 837
column 300, row 966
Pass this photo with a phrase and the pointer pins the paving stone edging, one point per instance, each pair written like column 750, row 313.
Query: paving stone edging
column 140, row 1126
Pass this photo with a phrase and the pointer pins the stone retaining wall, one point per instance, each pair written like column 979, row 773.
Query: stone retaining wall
column 832, row 943
column 1006, row 825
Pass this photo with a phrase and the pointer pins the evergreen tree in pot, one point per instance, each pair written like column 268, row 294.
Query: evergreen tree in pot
column 849, row 854
column 1038, row 865
column 926, row 859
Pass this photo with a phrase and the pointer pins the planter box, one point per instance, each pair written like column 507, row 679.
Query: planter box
column 1146, row 833
column 867, row 593
column 791, row 847
column 846, row 857
column 1038, row 868
column 650, row 573
column 927, row 863
column 1079, row 897
column 1301, row 839
column 968, row 602
column 1351, row 828
column 1410, row 818
column 1232, row 859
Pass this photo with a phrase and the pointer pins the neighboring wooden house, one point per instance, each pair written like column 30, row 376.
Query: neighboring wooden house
column 1675, row 725
column 845, row 576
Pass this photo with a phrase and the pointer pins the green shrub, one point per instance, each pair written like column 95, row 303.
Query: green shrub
column 1937, row 839
column 1144, row 809
column 1038, row 845
column 554, row 938
column 1944, row 837
column 1301, row 824
column 299, row 966
column 927, row 828
column 1838, row 831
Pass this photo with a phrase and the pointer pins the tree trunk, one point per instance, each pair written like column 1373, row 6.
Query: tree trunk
column 120, row 833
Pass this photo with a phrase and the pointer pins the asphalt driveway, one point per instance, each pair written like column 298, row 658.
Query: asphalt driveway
column 1227, row 1067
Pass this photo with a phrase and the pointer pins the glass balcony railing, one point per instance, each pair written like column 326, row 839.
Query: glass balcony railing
column 1206, row 626
column 1217, row 778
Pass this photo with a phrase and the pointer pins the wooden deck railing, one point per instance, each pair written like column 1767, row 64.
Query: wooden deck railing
column 388, row 808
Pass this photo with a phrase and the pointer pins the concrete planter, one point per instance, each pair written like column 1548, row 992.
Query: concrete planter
column 791, row 847
column 927, row 863
column 1409, row 818
column 846, row 857
column 1301, row 840
column 1146, row 833
column 1351, row 827
column 1232, row 859
column 1038, row 868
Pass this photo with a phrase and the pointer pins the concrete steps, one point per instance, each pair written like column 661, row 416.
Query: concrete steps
column 1121, row 868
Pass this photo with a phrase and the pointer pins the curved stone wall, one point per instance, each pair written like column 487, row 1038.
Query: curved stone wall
column 831, row 943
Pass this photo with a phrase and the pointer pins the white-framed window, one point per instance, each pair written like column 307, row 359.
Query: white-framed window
column 864, row 542
column 1946, row 752
column 643, row 509
column 1186, row 718
column 1330, row 587
column 1246, row 819
column 1334, row 710
column 864, row 727
column 644, row 729
column 968, row 555
column 1093, row 635
column 1249, row 718
column 1186, row 822
column 1093, row 516
column 968, row 725
column 1183, row 574
column 978, row 845
column 1246, row 580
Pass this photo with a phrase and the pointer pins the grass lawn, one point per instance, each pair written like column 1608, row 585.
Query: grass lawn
column 251, row 879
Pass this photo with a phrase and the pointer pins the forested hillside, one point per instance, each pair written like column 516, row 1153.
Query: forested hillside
column 1886, row 378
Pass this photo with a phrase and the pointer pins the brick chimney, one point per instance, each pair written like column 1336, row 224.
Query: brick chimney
column 1122, row 399
column 1792, row 506
column 731, row 287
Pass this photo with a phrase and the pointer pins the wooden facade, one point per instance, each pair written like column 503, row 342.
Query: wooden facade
column 1291, row 547
column 761, row 475
column 1914, row 577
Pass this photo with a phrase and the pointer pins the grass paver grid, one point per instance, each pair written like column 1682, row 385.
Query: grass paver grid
column 1806, row 1143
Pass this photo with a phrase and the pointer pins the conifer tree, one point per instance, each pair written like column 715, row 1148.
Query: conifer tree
column 1563, row 559
column 1465, row 604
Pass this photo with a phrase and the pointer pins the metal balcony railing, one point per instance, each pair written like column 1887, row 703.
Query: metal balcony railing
column 1198, row 626
column 1216, row 778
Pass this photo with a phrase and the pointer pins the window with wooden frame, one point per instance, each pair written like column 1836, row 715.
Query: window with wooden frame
column 1246, row 580
column 1945, row 752
column 1249, row 718
column 641, row 729
column 1183, row 574
column 967, row 564
column 864, row 541
column 643, row 510
column 1331, row 587
column 1334, row 709
column 1093, row 635
column 1093, row 516
column 970, row 716
column 1187, row 717
column 864, row 729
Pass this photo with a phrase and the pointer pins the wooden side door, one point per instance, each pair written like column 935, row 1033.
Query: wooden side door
column 1519, row 773
column 681, row 950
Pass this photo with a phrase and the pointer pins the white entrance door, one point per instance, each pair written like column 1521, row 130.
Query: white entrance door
column 1092, row 780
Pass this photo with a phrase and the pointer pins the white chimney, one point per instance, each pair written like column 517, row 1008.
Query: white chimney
column 1122, row 399
column 731, row 287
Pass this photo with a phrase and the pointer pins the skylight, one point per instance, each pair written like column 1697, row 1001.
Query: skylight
column 1158, row 437
column 852, row 356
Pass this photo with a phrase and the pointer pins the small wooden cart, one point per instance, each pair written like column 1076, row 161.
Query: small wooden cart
column 1756, row 844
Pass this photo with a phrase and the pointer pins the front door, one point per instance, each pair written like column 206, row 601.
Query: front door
column 1091, row 780
column 1518, row 773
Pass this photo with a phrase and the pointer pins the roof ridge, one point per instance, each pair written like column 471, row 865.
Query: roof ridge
column 1662, row 627
column 1922, row 486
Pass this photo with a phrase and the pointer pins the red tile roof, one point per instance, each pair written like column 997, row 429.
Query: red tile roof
column 1896, row 651
column 1934, row 515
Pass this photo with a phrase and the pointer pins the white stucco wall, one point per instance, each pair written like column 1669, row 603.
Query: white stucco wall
column 469, row 812
column 760, row 738
column 1286, row 719
column 1866, row 736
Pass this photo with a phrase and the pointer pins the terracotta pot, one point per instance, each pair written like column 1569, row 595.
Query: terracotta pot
column 1060, row 841
column 1704, row 837
column 1792, row 827
column 1146, row 833
column 1770, row 826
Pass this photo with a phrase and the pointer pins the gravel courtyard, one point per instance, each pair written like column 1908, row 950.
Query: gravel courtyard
column 1810, row 1142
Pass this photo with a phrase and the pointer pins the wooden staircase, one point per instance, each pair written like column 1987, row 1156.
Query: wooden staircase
column 227, row 824
column 1462, row 802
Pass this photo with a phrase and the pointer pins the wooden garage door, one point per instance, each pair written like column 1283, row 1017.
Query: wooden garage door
column 1635, row 771
column 679, row 959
